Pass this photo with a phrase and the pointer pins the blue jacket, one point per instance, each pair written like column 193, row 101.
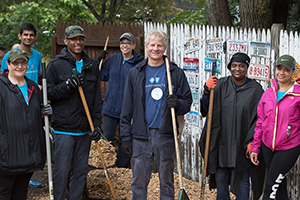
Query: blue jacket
column 133, row 122
column 115, row 71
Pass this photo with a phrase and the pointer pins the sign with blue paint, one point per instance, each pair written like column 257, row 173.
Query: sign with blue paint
column 208, row 65
column 191, row 64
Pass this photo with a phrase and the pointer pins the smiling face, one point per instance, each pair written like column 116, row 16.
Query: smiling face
column 126, row 47
column 75, row 45
column 283, row 74
column 238, row 72
column 18, row 68
column 155, row 49
column 27, row 38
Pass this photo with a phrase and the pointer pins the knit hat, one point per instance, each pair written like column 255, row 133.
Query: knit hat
column 239, row 57
column 16, row 54
column 128, row 36
column 287, row 61
column 74, row 31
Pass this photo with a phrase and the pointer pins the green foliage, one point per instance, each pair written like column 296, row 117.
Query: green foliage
column 44, row 15
column 190, row 17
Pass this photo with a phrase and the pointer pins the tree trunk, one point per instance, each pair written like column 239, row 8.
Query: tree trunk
column 256, row 13
column 218, row 12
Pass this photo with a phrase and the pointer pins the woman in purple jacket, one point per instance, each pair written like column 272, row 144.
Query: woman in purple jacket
column 277, row 132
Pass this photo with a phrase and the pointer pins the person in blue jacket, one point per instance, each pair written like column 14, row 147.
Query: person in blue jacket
column 115, row 70
column 146, row 122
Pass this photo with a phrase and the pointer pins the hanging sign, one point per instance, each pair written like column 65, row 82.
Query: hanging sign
column 191, row 45
column 195, row 95
column 193, row 79
column 191, row 64
column 296, row 74
column 208, row 65
column 234, row 46
column 192, row 117
column 260, row 49
column 214, row 45
column 259, row 72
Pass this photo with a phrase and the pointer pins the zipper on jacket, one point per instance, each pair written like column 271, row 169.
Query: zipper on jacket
column 275, row 128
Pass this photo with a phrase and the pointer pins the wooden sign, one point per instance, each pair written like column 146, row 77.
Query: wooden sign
column 259, row 72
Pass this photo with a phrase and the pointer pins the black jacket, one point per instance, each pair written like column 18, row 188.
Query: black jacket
column 68, row 111
column 134, row 103
column 22, row 139
column 233, row 122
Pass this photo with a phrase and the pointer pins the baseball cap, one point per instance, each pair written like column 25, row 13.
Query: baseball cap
column 287, row 61
column 16, row 54
column 239, row 57
column 128, row 36
column 74, row 31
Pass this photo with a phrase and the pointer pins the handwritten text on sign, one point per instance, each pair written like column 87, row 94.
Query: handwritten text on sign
column 234, row 46
column 214, row 45
column 259, row 72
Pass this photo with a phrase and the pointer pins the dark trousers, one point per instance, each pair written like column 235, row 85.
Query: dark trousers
column 144, row 152
column 278, row 163
column 109, row 130
column 71, row 157
column 14, row 187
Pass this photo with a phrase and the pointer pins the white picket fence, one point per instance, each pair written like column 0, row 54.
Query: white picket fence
column 179, row 34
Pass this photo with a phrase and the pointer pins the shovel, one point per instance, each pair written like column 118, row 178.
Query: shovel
column 97, row 144
column 182, row 194
column 208, row 130
column 46, row 119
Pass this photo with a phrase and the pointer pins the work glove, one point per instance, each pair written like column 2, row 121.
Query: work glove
column 74, row 81
column 172, row 101
column 248, row 150
column 127, row 147
column 102, row 55
column 96, row 134
column 47, row 110
column 211, row 82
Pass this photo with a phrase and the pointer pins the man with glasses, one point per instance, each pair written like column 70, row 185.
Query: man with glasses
column 72, row 133
column 27, row 36
column 115, row 70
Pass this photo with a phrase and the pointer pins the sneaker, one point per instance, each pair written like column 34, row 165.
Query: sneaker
column 33, row 183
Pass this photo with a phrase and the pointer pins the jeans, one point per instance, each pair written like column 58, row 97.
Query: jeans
column 110, row 124
column 222, row 181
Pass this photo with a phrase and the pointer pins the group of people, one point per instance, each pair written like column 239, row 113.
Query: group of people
column 252, row 129
column 137, row 99
column 245, row 119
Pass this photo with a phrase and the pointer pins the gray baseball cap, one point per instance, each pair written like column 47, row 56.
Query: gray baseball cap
column 128, row 36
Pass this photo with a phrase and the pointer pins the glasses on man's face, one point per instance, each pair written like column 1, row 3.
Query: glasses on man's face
column 125, row 43
column 23, row 64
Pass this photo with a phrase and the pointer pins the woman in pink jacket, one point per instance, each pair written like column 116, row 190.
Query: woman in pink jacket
column 277, row 132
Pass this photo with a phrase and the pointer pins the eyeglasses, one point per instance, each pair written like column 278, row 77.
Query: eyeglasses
column 125, row 43
column 16, row 64
column 81, row 39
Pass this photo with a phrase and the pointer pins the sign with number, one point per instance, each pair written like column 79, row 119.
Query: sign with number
column 193, row 79
column 234, row 46
column 214, row 45
column 192, row 117
column 191, row 45
column 191, row 64
column 208, row 65
column 260, row 49
column 259, row 72
column 296, row 74
column 195, row 95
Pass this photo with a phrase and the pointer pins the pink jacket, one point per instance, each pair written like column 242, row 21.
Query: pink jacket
column 278, row 124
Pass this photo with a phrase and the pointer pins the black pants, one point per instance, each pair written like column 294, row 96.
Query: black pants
column 278, row 163
column 14, row 187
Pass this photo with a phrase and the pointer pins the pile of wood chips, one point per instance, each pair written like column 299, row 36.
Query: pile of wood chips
column 108, row 152
column 98, row 188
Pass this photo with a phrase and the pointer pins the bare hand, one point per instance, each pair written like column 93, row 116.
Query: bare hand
column 253, row 157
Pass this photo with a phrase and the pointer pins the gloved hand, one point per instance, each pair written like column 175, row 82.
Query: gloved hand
column 172, row 101
column 127, row 147
column 74, row 81
column 47, row 109
column 248, row 150
column 96, row 134
column 102, row 55
column 211, row 82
